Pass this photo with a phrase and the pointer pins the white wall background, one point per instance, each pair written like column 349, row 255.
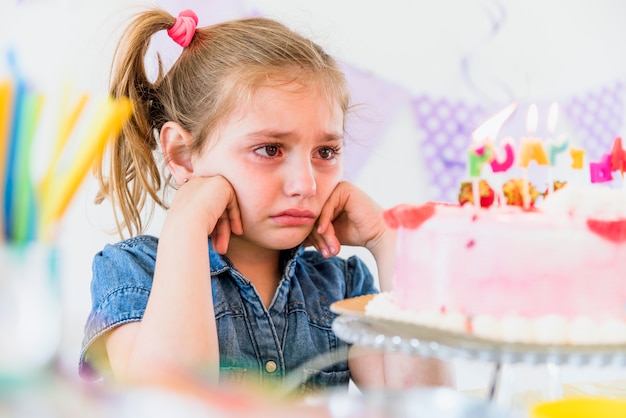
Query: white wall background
column 526, row 49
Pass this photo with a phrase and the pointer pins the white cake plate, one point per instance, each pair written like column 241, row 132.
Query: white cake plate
column 355, row 327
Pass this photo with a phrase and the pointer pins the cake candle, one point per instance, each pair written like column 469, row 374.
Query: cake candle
column 578, row 156
column 600, row 172
column 531, row 148
column 555, row 146
column 499, row 166
column 486, row 134
column 618, row 158
column 478, row 156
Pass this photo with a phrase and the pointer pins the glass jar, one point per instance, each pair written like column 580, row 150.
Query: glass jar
column 30, row 310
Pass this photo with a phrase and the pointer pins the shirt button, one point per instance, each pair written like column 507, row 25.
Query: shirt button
column 270, row 366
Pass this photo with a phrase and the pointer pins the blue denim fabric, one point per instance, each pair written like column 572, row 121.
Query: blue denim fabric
column 292, row 333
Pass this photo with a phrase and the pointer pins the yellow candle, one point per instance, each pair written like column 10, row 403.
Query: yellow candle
column 532, row 149
column 108, row 124
column 577, row 155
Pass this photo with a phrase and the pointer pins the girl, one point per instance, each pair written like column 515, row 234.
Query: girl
column 250, row 122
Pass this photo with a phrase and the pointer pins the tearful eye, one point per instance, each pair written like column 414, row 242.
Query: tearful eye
column 271, row 150
column 326, row 153
column 268, row 150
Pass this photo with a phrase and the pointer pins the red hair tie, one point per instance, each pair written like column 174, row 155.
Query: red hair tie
column 184, row 28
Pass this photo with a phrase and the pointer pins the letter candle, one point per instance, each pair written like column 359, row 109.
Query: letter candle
column 600, row 172
column 578, row 157
column 478, row 156
column 555, row 146
column 501, row 165
column 531, row 148
column 618, row 158
column 485, row 152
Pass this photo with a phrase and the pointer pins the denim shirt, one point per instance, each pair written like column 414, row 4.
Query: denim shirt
column 291, row 341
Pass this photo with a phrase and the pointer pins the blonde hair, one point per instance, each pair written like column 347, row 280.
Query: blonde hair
column 223, row 65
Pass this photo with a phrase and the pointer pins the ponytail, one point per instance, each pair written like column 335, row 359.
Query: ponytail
column 134, row 181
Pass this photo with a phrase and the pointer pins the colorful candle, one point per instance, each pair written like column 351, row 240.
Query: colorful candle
column 600, row 172
column 618, row 156
column 531, row 148
column 484, row 152
column 555, row 147
column 578, row 156
column 478, row 157
column 499, row 165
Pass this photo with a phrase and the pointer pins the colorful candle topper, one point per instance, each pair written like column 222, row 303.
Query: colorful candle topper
column 531, row 148
column 484, row 152
column 600, row 172
column 578, row 156
column 555, row 146
column 618, row 156
column 499, row 165
column 478, row 157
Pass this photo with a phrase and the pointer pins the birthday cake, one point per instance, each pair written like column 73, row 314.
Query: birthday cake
column 554, row 274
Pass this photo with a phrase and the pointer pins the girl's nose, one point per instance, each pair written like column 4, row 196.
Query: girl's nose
column 300, row 179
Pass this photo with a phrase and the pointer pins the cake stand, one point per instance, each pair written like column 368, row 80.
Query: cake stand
column 355, row 327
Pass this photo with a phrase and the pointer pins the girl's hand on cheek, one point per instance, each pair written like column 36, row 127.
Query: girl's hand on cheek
column 210, row 203
column 326, row 243
column 349, row 217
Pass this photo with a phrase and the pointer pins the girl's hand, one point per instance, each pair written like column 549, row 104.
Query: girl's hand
column 349, row 217
column 210, row 202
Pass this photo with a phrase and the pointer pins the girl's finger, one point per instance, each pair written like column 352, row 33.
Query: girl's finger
column 326, row 243
column 221, row 235
column 234, row 217
column 327, row 215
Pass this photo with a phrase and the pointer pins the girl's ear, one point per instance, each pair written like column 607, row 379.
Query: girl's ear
column 175, row 143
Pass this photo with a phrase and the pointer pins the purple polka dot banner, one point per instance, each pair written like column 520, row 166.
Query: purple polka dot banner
column 447, row 127
column 596, row 118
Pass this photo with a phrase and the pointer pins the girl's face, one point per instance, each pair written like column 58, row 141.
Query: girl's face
column 282, row 154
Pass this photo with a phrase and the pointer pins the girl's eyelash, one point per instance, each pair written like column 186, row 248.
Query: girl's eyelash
column 269, row 144
column 334, row 149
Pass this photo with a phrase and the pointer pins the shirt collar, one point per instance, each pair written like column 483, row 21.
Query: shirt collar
column 221, row 263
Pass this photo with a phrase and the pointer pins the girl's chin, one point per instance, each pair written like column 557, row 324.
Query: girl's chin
column 285, row 244
column 279, row 241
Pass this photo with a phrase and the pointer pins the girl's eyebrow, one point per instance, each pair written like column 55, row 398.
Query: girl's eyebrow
column 286, row 135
